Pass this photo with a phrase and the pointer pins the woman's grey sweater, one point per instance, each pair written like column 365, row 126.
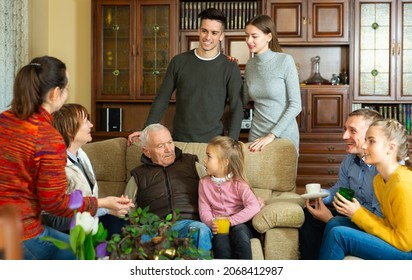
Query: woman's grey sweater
column 272, row 83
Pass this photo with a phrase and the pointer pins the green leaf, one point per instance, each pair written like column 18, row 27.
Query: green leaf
column 146, row 209
column 100, row 235
column 77, row 237
column 58, row 243
column 169, row 217
column 89, row 252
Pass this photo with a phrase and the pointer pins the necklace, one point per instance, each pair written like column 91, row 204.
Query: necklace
column 221, row 180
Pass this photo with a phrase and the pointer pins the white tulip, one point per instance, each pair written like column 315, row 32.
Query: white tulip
column 89, row 223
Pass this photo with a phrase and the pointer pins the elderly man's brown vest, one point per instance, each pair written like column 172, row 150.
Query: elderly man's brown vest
column 165, row 189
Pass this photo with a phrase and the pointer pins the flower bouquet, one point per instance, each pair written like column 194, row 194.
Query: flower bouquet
column 87, row 235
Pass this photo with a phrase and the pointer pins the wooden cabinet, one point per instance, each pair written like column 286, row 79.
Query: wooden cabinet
column 383, row 51
column 312, row 21
column 133, row 42
column 321, row 122
column 324, row 108
column 320, row 156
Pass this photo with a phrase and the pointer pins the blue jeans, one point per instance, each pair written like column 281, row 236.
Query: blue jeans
column 342, row 237
column 204, row 235
column 37, row 249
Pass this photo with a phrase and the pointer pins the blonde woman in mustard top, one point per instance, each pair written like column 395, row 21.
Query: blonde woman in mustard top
column 384, row 238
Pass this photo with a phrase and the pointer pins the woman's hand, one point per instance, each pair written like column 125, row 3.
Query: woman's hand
column 118, row 205
column 261, row 142
column 344, row 206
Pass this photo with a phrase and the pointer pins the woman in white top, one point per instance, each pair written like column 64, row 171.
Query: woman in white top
column 73, row 124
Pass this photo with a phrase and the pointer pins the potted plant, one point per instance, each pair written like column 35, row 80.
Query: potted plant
column 148, row 237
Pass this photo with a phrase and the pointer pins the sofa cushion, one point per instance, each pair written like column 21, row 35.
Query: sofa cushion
column 273, row 168
column 133, row 155
column 108, row 160
column 107, row 188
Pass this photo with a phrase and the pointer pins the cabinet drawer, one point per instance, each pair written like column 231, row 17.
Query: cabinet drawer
column 321, row 158
column 307, row 148
column 311, row 169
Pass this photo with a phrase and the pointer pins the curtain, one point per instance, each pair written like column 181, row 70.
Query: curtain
column 14, row 42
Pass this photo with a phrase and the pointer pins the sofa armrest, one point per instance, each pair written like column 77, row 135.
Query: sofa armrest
column 278, row 214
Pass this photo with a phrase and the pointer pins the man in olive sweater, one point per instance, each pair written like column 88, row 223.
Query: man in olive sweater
column 204, row 80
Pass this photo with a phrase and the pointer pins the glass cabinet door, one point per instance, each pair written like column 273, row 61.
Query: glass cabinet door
column 383, row 50
column 114, row 51
column 404, row 49
column 374, row 46
column 155, row 45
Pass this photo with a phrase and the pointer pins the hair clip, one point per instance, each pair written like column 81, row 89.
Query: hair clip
column 34, row 64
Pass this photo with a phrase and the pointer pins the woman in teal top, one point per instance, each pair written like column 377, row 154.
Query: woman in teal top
column 272, row 83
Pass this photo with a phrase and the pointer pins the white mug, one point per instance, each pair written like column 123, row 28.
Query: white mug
column 313, row 188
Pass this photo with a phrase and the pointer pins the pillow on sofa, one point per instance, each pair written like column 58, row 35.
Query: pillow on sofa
column 274, row 168
column 108, row 159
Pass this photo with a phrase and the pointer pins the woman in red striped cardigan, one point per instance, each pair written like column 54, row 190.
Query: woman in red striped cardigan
column 33, row 157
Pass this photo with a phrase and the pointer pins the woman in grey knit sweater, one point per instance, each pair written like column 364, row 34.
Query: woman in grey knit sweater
column 272, row 83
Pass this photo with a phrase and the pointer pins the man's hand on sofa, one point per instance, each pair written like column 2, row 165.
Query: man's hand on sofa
column 134, row 137
column 118, row 205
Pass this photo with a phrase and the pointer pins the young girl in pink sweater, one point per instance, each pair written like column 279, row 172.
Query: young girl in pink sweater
column 226, row 192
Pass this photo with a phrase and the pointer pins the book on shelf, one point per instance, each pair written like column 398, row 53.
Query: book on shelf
column 400, row 112
column 237, row 12
column 408, row 118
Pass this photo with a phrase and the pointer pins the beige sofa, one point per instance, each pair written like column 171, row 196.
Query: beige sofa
column 272, row 174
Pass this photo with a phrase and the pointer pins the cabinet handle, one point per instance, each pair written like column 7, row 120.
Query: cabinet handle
column 393, row 48
column 331, row 159
column 304, row 20
column 156, row 72
column 116, row 72
column 331, row 148
column 331, row 171
column 309, row 21
column 399, row 48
